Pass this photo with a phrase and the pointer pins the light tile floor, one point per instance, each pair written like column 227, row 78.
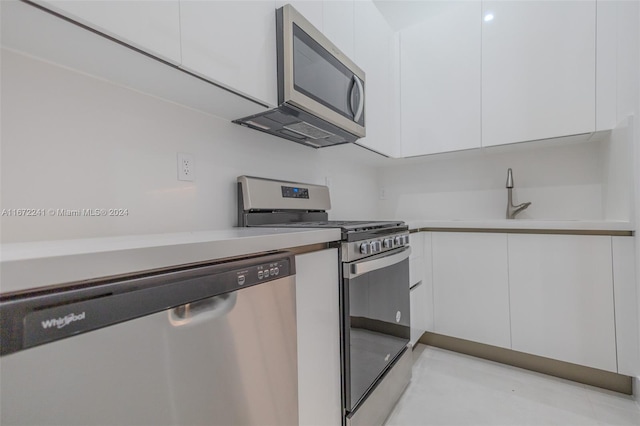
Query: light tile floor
column 448, row 388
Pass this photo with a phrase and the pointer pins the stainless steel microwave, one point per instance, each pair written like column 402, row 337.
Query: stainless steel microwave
column 321, row 92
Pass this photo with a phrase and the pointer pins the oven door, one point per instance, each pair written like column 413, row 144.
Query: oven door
column 375, row 320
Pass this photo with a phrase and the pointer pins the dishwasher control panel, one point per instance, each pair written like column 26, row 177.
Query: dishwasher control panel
column 45, row 315
column 260, row 273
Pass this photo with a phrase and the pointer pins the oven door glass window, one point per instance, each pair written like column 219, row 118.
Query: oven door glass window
column 377, row 324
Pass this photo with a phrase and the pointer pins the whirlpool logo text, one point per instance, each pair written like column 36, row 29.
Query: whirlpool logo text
column 62, row 321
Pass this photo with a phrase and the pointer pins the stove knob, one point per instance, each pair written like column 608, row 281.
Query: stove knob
column 376, row 246
column 405, row 239
column 364, row 248
column 398, row 241
column 387, row 243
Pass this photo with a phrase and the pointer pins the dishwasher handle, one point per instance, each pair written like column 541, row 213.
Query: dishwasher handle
column 203, row 310
column 354, row 270
column 42, row 316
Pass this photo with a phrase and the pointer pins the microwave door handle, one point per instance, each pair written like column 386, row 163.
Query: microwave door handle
column 353, row 87
column 360, row 108
column 357, row 269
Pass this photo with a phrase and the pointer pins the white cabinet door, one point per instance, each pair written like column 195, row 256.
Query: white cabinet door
column 312, row 10
column 376, row 53
column 427, row 281
column 538, row 70
column 440, row 80
column 416, row 260
column 318, row 319
column 232, row 43
column 152, row 25
column 606, row 62
column 626, row 304
column 418, row 302
column 338, row 18
column 470, row 287
column 561, row 293
column 417, row 283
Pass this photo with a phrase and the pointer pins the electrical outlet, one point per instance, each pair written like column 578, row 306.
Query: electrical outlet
column 186, row 167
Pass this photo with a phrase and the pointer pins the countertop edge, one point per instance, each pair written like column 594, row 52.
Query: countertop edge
column 614, row 228
column 606, row 232
column 26, row 273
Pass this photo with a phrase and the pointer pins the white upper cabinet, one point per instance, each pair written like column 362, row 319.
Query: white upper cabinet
column 538, row 70
column 376, row 53
column 232, row 43
column 151, row 25
column 312, row 10
column 338, row 18
column 606, row 69
column 440, row 80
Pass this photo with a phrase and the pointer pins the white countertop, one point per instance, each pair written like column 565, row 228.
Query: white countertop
column 43, row 263
column 524, row 224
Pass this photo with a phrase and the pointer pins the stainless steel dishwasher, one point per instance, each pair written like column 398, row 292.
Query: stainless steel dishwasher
column 211, row 344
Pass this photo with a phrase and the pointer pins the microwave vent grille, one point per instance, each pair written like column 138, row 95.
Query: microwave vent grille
column 308, row 130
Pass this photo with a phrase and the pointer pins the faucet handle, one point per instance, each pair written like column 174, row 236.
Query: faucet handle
column 509, row 178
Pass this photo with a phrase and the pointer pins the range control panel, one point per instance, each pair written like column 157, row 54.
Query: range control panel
column 359, row 249
column 295, row 192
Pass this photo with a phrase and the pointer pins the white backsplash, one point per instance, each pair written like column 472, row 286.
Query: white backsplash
column 70, row 141
column 563, row 182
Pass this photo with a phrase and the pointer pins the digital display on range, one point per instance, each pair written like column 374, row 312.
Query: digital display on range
column 294, row 192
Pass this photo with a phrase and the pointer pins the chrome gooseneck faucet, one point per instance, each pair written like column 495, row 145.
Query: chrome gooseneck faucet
column 512, row 210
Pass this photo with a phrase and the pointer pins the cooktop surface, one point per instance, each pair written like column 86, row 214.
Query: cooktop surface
column 346, row 225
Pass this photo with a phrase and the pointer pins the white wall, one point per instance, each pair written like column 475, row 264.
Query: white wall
column 70, row 141
column 618, row 189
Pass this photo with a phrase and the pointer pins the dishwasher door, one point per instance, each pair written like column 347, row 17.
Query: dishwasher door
column 206, row 356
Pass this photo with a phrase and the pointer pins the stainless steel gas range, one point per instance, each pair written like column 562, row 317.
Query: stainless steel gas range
column 374, row 291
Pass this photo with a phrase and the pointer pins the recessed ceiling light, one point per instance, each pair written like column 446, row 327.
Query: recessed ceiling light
column 488, row 17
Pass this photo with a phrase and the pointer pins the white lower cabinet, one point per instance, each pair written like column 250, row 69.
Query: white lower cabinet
column 417, row 259
column 427, row 280
column 470, row 287
column 566, row 297
column 418, row 285
column 418, row 302
column 626, row 303
column 561, row 293
column 318, row 319
column 421, row 284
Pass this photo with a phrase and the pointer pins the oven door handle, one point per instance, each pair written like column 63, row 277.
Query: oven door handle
column 357, row 269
